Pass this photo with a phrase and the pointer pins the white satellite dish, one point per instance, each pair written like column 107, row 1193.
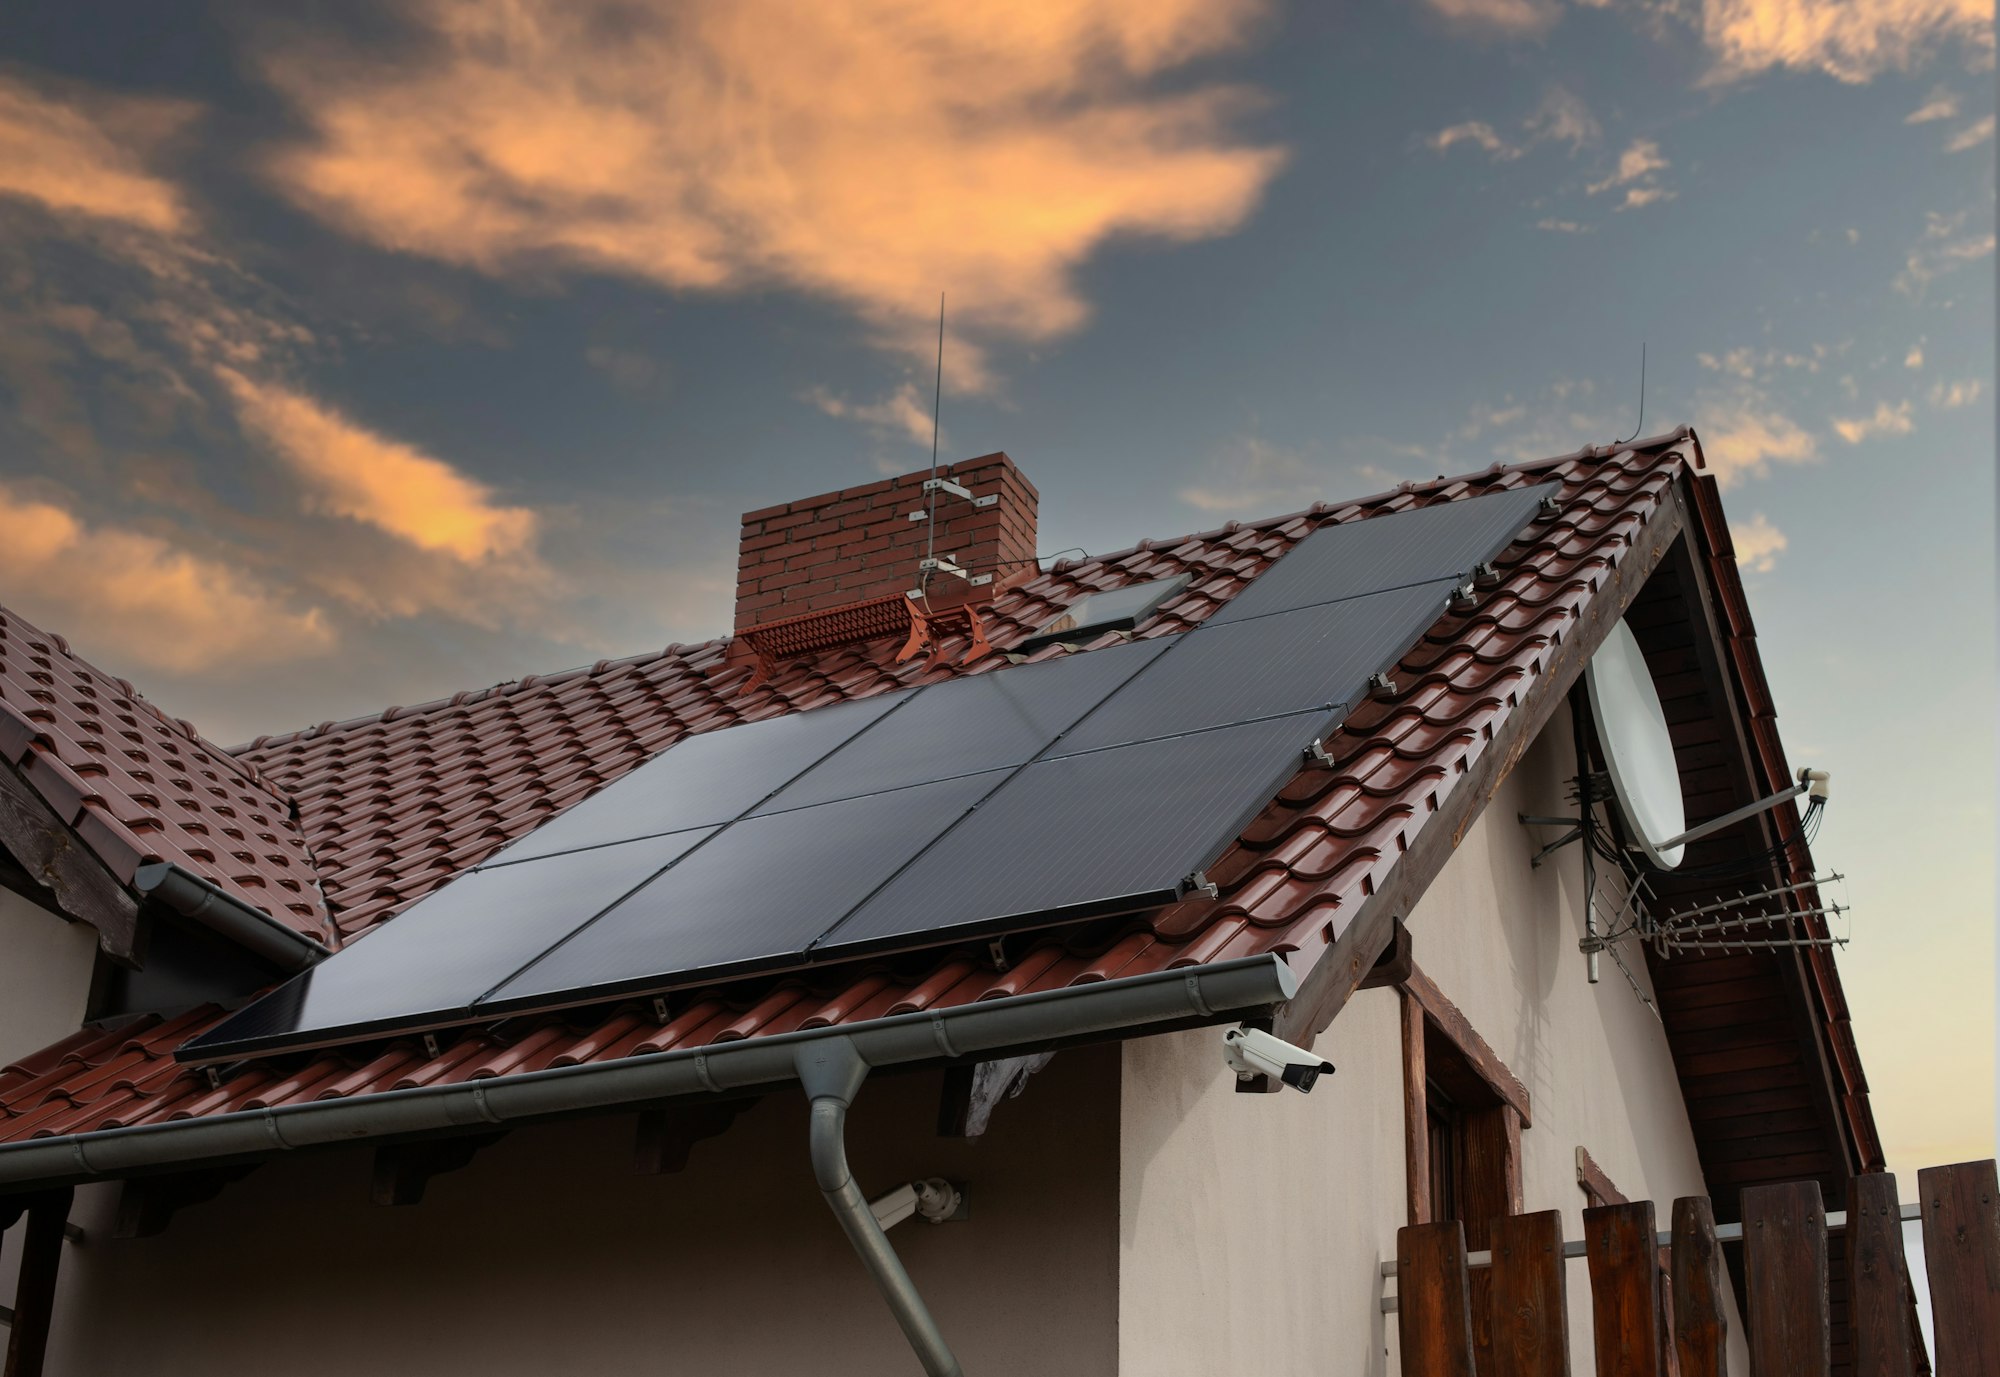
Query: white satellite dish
column 1638, row 750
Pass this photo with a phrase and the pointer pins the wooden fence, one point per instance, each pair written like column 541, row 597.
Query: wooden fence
column 1657, row 1300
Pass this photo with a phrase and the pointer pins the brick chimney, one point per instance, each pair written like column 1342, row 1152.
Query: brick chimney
column 821, row 554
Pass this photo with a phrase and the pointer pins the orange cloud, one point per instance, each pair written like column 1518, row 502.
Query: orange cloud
column 154, row 601
column 1743, row 436
column 1854, row 40
column 872, row 154
column 1500, row 16
column 353, row 472
column 74, row 160
column 1758, row 544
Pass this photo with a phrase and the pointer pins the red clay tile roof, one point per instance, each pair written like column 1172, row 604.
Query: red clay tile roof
column 397, row 804
column 139, row 786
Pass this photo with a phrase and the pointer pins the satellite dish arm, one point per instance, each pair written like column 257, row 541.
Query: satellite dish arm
column 1814, row 782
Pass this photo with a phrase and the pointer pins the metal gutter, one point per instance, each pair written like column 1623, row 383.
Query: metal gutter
column 222, row 913
column 1207, row 993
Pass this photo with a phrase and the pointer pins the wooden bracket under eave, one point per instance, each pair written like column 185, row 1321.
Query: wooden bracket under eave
column 403, row 1170
column 147, row 1204
column 666, row 1137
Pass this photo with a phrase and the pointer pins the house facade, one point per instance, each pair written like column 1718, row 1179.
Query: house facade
column 631, row 1180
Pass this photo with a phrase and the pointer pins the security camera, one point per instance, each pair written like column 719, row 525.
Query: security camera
column 1251, row 1053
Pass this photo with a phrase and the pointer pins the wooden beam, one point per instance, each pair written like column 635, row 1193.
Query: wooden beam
column 35, row 1288
column 1333, row 978
column 1597, row 1186
column 665, row 1137
column 1961, row 1207
column 1528, row 1309
column 1393, row 966
column 1416, row 1118
column 1784, row 1265
column 1618, row 1245
column 147, row 1204
column 971, row 1093
column 1478, row 1053
column 1433, row 1301
column 70, row 874
column 1879, row 1311
column 1701, row 1320
column 404, row 1170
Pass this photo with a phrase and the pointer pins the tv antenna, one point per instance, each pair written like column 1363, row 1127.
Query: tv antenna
column 935, row 488
column 1642, row 397
column 1620, row 707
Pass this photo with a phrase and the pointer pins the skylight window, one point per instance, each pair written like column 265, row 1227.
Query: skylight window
column 1117, row 609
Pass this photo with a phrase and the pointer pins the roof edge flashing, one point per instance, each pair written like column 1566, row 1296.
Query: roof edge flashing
column 202, row 901
column 1217, row 992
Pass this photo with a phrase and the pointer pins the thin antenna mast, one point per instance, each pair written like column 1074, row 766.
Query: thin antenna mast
column 1642, row 397
column 937, row 412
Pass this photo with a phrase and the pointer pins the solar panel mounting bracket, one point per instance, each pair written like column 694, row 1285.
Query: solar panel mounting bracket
column 1199, row 883
column 1315, row 753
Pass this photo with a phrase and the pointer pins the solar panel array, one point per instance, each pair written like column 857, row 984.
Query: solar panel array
column 1087, row 785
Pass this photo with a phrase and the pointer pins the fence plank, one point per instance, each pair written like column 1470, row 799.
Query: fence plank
column 1878, row 1279
column 1433, row 1300
column 1624, row 1288
column 1530, row 1319
column 1701, row 1319
column 1962, row 1252
column 1784, row 1263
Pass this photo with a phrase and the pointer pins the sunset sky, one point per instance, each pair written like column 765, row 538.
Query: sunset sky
column 354, row 354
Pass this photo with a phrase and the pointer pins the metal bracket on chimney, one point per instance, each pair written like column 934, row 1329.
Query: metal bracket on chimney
column 944, row 564
column 956, row 490
column 945, row 485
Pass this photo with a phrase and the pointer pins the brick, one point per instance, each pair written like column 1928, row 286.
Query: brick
column 766, row 513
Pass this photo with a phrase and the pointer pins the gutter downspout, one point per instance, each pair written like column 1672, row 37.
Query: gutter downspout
column 831, row 1071
column 222, row 913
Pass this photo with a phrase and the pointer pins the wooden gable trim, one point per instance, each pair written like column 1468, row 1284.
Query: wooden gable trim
column 1326, row 988
column 64, row 875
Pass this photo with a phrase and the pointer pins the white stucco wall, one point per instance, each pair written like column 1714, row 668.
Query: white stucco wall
column 1320, row 1178
column 1252, row 1227
column 45, row 969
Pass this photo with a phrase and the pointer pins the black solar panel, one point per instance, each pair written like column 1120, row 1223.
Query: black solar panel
column 707, row 778
column 1316, row 658
column 1021, row 797
column 963, row 726
column 1446, row 540
column 430, row 965
column 1085, row 834
column 754, row 897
